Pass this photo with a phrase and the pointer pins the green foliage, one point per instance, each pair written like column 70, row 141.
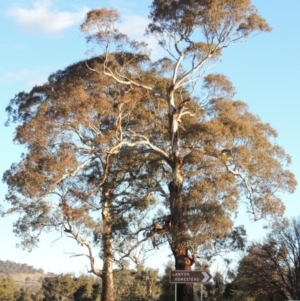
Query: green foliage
column 231, row 293
column 8, row 289
column 68, row 287
column 167, row 289
column 59, row 287
column 25, row 295
column 215, row 290
column 137, row 285
column 88, row 289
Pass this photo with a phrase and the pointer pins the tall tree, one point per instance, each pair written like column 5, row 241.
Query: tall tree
column 271, row 269
column 76, row 175
column 214, row 151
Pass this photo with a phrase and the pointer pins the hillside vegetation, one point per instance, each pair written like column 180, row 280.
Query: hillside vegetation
column 22, row 274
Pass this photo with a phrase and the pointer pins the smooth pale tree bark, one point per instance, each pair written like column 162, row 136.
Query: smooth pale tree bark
column 107, row 276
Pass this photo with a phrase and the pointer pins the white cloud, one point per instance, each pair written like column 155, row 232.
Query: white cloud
column 44, row 19
column 134, row 26
column 26, row 78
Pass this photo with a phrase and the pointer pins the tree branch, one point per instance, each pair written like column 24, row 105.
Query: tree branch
column 128, row 81
column 74, row 172
column 248, row 186
column 91, row 256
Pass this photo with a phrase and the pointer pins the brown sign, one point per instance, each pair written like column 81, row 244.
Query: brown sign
column 179, row 276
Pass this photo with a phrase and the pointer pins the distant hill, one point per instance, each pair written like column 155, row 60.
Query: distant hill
column 10, row 267
column 23, row 275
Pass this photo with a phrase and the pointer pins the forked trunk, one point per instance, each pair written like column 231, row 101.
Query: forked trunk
column 107, row 293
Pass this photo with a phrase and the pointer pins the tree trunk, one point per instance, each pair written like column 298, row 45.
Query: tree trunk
column 107, row 293
column 185, row 291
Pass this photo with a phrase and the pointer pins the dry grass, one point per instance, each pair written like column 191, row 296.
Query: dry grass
column 26, row 279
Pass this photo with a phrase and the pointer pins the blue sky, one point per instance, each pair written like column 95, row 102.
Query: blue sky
column 40, row 37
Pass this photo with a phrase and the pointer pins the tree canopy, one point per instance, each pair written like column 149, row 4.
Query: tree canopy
column 74, row 177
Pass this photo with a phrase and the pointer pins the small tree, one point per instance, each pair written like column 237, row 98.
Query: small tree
column 60, row 288
column 167, row 288
column 271, row 270
column 68, row 287
column 140, row 284
column 215, row 290
column 8, row 289
column 25, row 295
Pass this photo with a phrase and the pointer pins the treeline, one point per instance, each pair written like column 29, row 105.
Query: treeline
column 62, row 287
column 136, row 284
column 10, row 267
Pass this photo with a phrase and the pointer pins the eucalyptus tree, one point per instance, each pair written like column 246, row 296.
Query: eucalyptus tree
column 73, row 177
column 214, row 152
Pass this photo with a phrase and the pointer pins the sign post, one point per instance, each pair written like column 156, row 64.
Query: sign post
column 181, row 276
column 201, row 292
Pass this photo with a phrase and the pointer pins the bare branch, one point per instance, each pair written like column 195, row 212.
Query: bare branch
column 91, row 256
column 248, row 186
column 105, row 172
column 146, row 141
column 177, row 65
column 128, row 81
column 74, row 172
